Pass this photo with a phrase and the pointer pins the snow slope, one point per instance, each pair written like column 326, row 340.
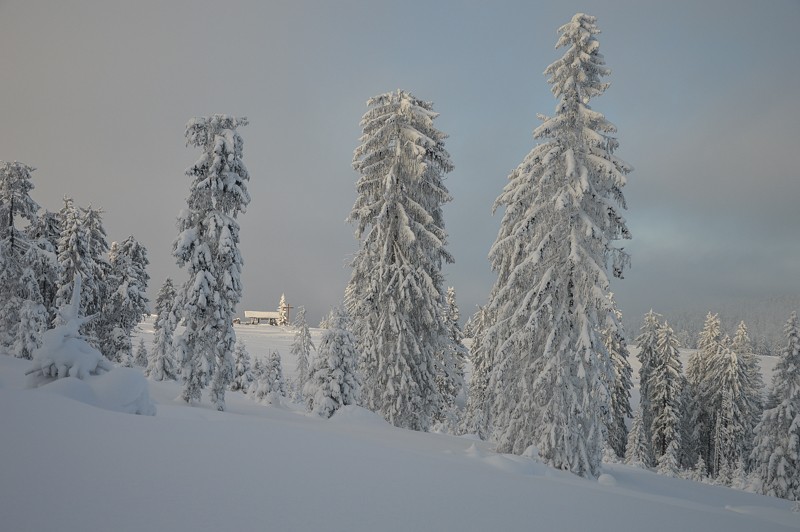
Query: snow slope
column 73, row 466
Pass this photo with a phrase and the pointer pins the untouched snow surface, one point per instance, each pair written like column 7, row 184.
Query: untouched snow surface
column 67, row 465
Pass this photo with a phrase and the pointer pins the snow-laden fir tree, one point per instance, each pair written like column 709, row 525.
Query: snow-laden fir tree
column 668, row 463
column 699, row 473
column 334, row 381
column 15, row 205
column 647, row 342
column 98, row 291
column 734, row 402
column 162, row 364
column 638, row 448
column 562, row 216
column 776, row 453
column 395, row 295
column 301, row 351
column 614, row 341
column 33, row 316
column 739, row 480
column 44, row 232
column 700, row 413
column 752, row 382
column 270, row 384
column 477, row 417
column 665, row 395
column 242, row 372
column 72, row 255
column 450, row 367
column 126, row 287
column 141, row 354
column 283, row 311
column 208, row 247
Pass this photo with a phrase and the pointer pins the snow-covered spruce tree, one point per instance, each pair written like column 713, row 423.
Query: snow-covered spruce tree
column 477, row 418
column 283, row 311
column 450, row 365
column 665, row 396
column 700, row 412
column 162, row 364
column 242, row 372
column 614, row 341
column 699, row 472
column 44, row 232
column 668, row 462
column 33, row 317
column 301, row 350
column 141, row 354
column 395, row 295
column 72, row 255
column 735, row 404
column 334, row 381
column 270, row 382
column 647, row 342
column 776, row 454
column 752, row 383
column 103, row 282
column 208, row 247
column 638, row 448
column 126, row 286
column 562, row 215
column 15, row 204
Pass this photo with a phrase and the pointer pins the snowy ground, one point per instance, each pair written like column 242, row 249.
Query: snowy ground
column 72, row 466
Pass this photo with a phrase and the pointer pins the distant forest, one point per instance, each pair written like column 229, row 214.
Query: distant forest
column 764, row 318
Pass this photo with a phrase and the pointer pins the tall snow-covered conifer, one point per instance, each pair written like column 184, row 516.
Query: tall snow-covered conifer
column 621, row 385
column 73, row 257
column 562, row 213
column 395, row 297
column 301, row 350
column 665, row 398
column 44, row 232
column 647, row 342
column 161, row 364
column 451, row 360
column 477, row 419
column 16, row 253
column 208, row 247
column 701, row 414
column 776, row 455
column 126, row 302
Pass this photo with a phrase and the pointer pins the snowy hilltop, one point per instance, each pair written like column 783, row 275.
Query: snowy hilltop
column 281, row 468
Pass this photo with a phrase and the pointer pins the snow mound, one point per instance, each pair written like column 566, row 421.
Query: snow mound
column 606, row 480
column 120, row 390
column 63, row 356
column 124, row 390
column 358, row 415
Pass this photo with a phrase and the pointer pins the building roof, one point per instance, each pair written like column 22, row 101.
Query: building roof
column 261, row 315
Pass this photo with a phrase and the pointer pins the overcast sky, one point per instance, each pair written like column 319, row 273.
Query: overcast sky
column 705, row 94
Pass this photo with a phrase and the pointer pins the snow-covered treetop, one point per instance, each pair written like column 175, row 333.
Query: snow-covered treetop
column 578, row 72
column 220, row 170
column 399, row 141
column 15, row 188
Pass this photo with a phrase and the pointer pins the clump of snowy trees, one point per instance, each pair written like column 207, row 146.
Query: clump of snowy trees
column 712, row 423
column 40, row 260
